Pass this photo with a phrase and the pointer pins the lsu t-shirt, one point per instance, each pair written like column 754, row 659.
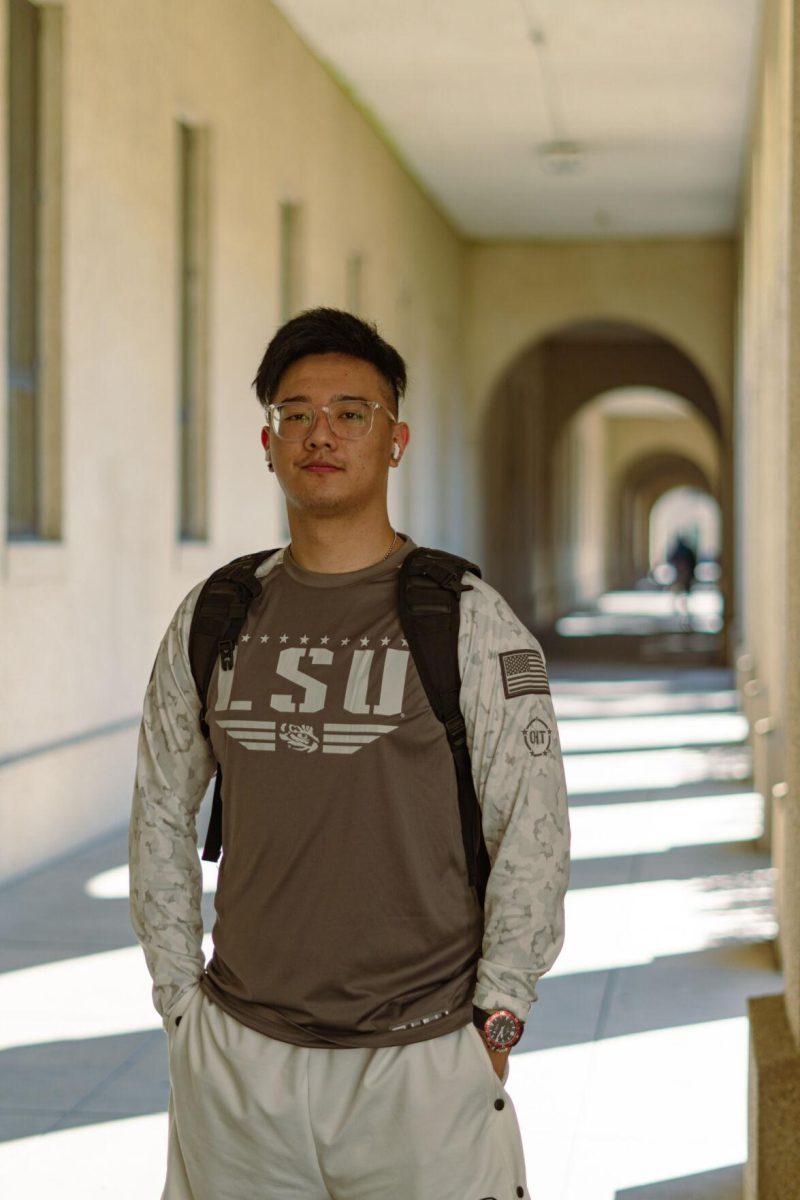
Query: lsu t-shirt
column 343, row 910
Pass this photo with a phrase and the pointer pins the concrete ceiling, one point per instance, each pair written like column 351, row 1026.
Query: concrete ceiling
column 644, row 402
column 655, row 95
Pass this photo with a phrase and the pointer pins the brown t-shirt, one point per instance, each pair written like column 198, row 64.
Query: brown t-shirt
column 344, row 914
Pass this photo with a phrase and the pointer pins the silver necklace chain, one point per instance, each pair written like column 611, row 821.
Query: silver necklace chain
column 391, row 548
column 386, row 555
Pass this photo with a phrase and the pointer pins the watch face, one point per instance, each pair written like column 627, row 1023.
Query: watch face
column 501, row 1029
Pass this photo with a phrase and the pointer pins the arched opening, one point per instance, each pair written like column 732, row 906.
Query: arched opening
column 641, row 488
column 582, row 433
column 693, row 513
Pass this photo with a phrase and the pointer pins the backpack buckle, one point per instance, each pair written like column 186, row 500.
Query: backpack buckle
column 456, row 729
column 226, row 654
column 449, row 577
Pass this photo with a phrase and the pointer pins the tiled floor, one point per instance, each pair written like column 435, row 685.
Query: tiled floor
column 630, row 1081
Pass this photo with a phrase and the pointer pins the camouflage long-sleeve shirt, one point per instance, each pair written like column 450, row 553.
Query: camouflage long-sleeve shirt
column 519, row 778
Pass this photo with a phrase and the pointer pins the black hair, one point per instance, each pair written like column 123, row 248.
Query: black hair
column 328, row 331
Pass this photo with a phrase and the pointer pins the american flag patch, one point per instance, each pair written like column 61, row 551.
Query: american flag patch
column 523, row 671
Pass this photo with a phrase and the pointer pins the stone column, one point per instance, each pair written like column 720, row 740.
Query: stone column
column 773, row 1166
column 791, row 864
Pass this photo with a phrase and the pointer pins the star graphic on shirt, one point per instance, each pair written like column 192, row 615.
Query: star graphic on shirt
column 364, row 641
column 323, row 641
column 345, row 641
column 404, row 642
column 265, row 637
column 245, row 637
column 284, row 637
column 384, row 641
column 304, row 638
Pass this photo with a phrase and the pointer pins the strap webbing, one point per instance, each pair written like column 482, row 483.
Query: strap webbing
column 429, row 594
column 218, row 617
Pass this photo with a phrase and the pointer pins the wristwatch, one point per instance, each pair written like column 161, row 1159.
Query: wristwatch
column 501, row 1029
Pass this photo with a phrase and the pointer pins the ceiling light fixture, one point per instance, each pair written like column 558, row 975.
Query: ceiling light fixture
column 561, row 157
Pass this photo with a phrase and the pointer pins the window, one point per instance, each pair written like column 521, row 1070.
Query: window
column 290, row 236
column 193, row 333
column 34, row 100
column 354, row 270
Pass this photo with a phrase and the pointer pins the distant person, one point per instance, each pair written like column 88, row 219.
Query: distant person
column 684, row 559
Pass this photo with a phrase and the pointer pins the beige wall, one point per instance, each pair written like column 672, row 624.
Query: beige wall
column 82, row 619
column 763, row 385
column 767, row 396
column 581, row 504
column 768, row 631
column 681, row 289
column 629, row 439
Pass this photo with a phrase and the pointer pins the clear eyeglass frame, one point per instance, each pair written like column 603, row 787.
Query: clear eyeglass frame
column 273, row 417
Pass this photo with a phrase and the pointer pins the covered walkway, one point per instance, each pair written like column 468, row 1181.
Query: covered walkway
column 579, row 224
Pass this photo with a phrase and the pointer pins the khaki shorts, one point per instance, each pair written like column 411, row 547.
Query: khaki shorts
column 255, row 1118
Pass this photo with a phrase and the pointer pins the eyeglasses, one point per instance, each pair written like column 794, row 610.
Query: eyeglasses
column 347, row 418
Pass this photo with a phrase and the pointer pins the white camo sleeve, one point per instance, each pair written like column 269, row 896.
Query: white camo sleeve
column 519, row 778
column 173, row 768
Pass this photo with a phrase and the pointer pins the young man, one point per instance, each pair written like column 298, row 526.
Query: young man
column 335, row 1046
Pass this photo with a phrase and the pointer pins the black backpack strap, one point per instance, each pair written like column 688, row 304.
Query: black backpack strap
column 429, row 607
column 218, row 617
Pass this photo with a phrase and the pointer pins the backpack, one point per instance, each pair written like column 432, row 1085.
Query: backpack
column 428, row 602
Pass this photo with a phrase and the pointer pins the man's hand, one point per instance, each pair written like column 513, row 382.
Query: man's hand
column 499, row 1058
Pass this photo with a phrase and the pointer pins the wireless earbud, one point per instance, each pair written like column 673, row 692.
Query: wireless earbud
column 395, row 451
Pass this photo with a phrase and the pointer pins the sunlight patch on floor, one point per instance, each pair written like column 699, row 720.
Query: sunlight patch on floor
column 89, row 996
column 114, row 884
column 619, row 700
column 632, row 1110
column 643, row 612
column 703, row 601
column 631, row 924
column 636, row 770
column 631, row 733
column 653, row 826
column 125, row 1159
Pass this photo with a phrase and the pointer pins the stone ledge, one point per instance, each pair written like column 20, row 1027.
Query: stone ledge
column 772, row 1171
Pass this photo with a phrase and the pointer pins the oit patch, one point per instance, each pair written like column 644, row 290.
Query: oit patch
column 537, row 736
